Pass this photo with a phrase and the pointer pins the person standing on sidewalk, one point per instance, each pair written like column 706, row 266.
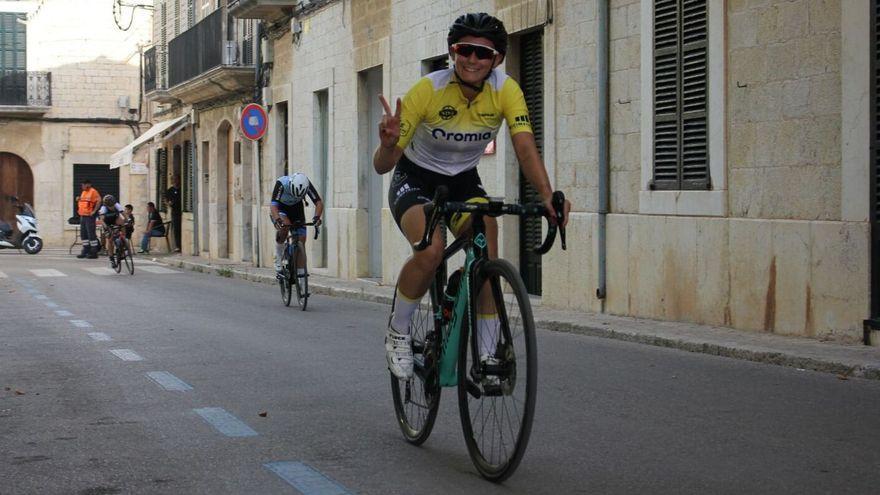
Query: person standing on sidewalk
column 172, row 199
column 155, row 228
column 87, row 205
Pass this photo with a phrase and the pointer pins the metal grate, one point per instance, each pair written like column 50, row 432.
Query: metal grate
column 187, row 176
column 532, row 75
column 681, row 126
column 875, row 162
column 104, row 180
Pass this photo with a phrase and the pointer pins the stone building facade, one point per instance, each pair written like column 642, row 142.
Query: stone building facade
column 82, row 105
column 774, row 237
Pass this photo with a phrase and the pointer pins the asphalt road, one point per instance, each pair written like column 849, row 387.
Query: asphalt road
column 612, row 417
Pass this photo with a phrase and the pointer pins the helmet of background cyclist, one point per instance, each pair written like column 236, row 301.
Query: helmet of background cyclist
column 298, row 185
column 481, row 25
column 109, row 200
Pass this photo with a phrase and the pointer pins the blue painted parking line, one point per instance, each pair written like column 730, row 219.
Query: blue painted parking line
column 81, row 323
column 63, row 312
column 306, row 479
column 168, row 381
column 100, row 336
column 225, row 423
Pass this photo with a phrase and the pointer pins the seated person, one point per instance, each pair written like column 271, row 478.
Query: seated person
column 154, row 228
column 111, row 214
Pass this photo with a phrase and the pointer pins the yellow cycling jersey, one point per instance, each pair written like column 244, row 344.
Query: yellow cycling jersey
column 441, row 131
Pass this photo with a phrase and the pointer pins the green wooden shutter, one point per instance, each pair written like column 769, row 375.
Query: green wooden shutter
column 532, row 81
column 13, row 59
column 681, row 130
column 161, row 177
column 187, row 176
column 875, row 163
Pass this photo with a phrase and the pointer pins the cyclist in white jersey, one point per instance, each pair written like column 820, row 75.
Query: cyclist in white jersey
column 287, row 208
column 436, row 136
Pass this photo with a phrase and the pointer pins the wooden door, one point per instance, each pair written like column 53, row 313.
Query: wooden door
column 16, row 179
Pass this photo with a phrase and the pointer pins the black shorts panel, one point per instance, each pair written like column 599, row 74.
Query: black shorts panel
column 412, row 185
column 295, row 213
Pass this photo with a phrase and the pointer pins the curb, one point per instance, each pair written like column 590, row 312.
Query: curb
column 843, row 370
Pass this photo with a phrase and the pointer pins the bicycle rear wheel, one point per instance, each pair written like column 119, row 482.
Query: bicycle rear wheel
column 284, row 279
column 417, row 399
column 497, row 403
column 129, row 259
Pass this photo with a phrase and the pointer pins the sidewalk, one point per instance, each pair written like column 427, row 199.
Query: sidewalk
column 845, row 360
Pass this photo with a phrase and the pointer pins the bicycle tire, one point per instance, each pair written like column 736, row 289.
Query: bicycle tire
column 115, row 256
column 416, row 401
column 494, row 456
column 129, row 259
column 284, row 280
column 301, row 283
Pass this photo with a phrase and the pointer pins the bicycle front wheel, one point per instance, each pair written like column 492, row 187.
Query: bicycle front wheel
column 301, row 282
column 496, row 399
column 129, row 259
column 417, row 399
column 117, row 256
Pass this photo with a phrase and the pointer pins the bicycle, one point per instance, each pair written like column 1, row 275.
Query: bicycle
column 122, row 252
column 288, row 279
column 446, row 350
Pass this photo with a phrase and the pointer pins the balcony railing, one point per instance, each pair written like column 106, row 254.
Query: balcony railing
column 196, row 50
column 23, row 88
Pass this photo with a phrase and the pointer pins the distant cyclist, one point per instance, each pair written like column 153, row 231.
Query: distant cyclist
column 112, row 214
column 436, row 137
column 288, row 208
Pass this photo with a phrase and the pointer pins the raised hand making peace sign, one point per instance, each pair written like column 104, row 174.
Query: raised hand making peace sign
column 389, row 126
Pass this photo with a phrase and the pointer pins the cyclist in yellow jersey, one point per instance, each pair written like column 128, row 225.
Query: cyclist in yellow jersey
column 436, row 136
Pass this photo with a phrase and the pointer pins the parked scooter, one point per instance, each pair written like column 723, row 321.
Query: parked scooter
column 26, row 238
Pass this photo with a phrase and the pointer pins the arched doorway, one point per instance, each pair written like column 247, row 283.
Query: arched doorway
column 16, row 179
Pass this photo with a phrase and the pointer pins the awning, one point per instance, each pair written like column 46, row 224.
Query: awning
column 124, row 156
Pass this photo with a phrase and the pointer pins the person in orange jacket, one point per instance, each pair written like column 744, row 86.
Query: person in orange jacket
column 87, row 205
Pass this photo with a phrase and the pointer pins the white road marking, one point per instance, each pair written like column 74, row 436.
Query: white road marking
column 41, row 297
column 306, row 479
column 100, row 336
column 3, row 275
column 225, row 422
column 47, row 272
column 63, row 312
column 99, row 270
column 126, row 355
column 168, row 381
column 50, row 304
column 81, row 323
column 157, row 269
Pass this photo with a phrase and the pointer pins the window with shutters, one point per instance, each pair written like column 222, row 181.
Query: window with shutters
column 187, row 176
column 104, row 180
column 161, row 177
column 163, row 47
column 683, row 117
column 13, row 59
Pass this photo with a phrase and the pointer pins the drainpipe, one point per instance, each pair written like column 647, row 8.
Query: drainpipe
column 602, row 90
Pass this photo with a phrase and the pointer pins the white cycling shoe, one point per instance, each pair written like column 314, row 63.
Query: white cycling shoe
column 398, row 352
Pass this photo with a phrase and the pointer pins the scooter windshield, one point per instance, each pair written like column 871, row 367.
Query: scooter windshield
column 27, row 210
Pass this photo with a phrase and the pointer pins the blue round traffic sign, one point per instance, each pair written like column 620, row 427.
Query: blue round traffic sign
column 253, row 121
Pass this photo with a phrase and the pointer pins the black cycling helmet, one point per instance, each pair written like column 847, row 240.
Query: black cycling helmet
column 479, row 24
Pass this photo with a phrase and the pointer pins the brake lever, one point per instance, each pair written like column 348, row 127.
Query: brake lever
column 559, row 205
column 317, row 230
